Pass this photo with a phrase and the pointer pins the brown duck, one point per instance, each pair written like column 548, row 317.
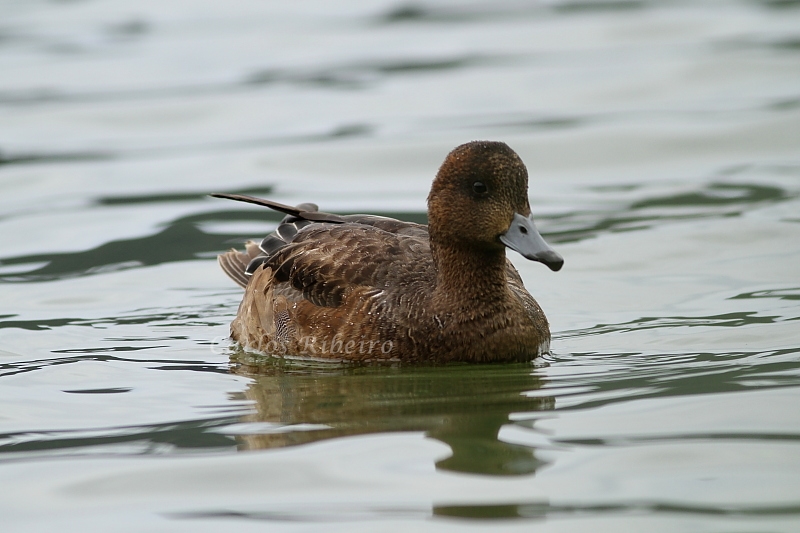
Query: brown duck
column 367, row 288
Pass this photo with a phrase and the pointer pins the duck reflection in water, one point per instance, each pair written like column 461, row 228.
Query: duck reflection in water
column 464, row 406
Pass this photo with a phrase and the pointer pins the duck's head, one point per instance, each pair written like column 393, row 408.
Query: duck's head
column 479, row 200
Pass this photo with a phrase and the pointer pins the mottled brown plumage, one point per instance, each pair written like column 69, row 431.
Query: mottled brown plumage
column 363, row 287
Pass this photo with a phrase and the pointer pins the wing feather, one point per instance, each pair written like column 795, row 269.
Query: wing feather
column 327, row 262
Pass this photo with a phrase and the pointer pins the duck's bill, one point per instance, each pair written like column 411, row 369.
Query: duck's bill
column 524, row 238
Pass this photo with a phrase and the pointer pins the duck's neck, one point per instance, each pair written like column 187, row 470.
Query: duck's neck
column 466, row 277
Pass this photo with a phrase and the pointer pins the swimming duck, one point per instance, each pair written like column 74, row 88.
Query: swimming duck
column 368, row 288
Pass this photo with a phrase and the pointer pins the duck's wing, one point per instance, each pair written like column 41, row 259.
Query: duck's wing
column 321, row 261
column 321, row 256
column 324, row 263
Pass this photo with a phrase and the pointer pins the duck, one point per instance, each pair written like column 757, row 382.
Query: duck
column 367, row 288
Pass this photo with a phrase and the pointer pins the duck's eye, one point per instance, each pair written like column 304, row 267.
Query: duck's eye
column 480, row 188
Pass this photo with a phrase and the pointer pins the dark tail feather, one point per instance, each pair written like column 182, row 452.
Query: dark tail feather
column 299, row 211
